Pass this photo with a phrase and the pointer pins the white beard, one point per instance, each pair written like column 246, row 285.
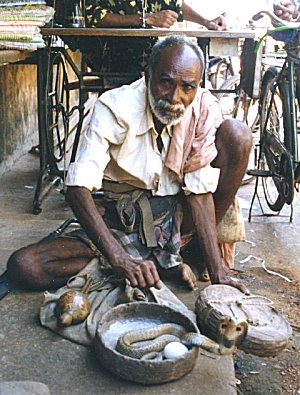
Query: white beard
column 166, row 113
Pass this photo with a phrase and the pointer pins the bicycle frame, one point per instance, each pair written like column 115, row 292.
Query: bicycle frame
column 278, row 163
column 285, row 80
column 290, row 118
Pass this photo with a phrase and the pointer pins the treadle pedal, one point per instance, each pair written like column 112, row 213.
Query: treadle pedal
column 259, row 173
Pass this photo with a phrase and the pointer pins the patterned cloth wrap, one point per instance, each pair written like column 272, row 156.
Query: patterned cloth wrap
column 167, row 217
column 119, row 54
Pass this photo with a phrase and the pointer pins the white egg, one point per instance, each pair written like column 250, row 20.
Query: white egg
column 175, row 350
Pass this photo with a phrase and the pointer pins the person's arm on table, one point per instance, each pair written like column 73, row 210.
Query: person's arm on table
column 204, row 218
column 163, row 19
column 191, row 15
column 138, row 272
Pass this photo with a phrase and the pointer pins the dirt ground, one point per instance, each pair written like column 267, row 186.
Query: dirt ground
column 277, row 243
column 280, row 374
column 274, row 240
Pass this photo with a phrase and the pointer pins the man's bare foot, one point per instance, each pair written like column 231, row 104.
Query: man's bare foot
column 188, row 276
column 204, row 276
column 180, row 272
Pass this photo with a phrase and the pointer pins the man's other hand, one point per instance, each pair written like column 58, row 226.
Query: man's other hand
column 165, row 18
column 234, row 282
column 140, row 273
column 285, row 10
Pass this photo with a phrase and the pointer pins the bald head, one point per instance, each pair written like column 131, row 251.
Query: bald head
column 172, row 44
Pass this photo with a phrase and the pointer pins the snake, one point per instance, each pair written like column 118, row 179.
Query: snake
column 149, row 343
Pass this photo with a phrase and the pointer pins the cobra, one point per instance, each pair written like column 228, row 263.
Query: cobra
column 158, row 337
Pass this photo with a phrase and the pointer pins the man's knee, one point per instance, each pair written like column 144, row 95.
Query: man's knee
column 234, row 139
column 21, row 268
column 233, row 131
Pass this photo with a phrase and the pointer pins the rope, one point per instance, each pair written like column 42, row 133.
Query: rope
column 106, row 282
column 240, row 301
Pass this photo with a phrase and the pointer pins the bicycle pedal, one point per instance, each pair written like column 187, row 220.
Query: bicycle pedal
column 260, row 173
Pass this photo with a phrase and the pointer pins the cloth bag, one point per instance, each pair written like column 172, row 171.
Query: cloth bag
column 232, row 228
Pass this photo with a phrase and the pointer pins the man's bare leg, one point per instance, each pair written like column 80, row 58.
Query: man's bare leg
column 233, row 141
column 48, row 264
column 191, row 252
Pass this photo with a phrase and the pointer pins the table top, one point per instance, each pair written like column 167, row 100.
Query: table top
column 148, row 32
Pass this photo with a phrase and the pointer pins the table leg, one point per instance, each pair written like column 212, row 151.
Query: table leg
column 49, row 174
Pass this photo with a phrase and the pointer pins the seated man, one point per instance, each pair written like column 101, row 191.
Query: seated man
column 127, row 54
column 169, row 166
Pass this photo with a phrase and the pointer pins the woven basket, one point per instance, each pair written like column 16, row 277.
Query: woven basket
column 268, row 332
column 141, row 315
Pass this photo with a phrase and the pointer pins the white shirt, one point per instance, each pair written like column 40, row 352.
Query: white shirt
column 126, row 151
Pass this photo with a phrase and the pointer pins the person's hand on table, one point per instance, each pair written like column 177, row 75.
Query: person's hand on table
column 285, row 10
column 165, row 18
column 219, row 23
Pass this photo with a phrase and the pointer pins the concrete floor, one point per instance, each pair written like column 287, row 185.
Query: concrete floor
column 30, row 352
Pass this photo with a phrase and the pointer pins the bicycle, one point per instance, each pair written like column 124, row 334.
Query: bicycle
column 238, row 94
column 278, row 161
column 219, row 70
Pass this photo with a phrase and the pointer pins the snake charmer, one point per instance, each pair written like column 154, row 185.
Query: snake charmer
column 169, row 166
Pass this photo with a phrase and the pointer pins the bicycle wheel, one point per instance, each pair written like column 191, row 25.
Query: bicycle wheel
column 223, row 71
column 57, row 102
column 274, row 157
column 237, row 104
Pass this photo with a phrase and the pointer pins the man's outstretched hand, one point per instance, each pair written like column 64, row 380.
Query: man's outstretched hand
column 234, row 282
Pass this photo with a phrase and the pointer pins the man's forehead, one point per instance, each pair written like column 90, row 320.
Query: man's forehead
column 177, row 56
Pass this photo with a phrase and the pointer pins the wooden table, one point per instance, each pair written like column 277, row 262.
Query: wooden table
column 218, row 43
column 148, row 32
column 223, row 41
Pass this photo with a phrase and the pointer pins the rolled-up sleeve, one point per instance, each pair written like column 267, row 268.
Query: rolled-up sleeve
column 93, row 153
column 200, row 181
column 88, row 173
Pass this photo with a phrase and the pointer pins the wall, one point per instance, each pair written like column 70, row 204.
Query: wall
column 18, row 112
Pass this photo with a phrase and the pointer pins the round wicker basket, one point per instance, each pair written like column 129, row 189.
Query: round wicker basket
column 268, row 332
column 141, row 315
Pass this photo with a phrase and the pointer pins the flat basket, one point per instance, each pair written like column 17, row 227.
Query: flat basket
column 268, row 332
column 141, row 315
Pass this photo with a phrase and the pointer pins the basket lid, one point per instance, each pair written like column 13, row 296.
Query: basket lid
column 267, row 333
